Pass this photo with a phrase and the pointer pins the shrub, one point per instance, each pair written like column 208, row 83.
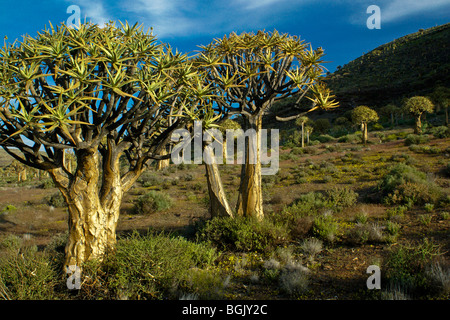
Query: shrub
column 325, row 227
column 366, row 232
column 361, row 217
column 350, row 138
column 392, row 228
column 56, row 200
column 149, row 179
column 294, row 281
column 311, row 246
column 407, row 264
column 9, row 208
column 47, row 184
column 396, row 212
column 391, row 137
column 325, row 138
column 152, row 202
column 321, row 125
column 342, row 121
column 440, row 132
column 416, row 139
column 341, row 197
column 377, row 126
column 424, row 219
column 25, row 273
column 149, row 266
column 405, row 184
column 242, row 234
column 429, row 207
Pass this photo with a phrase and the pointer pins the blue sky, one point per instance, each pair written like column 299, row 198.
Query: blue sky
column 339, row 26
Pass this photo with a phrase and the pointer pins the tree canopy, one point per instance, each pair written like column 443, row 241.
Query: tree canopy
column 364, row 114
column 79, row 88
column 418, row 105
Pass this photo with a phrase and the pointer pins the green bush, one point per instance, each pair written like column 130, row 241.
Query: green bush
column 149, row 266
column 366, row 232
column 341, row 197
column 56, row 200
column 377, row 126
column 325, row 227
column 391, row 137
column 242, row 234
column 416, row 139
column 350, row 138
column 407, row 264
column 321, row 125
column 149, row 179
column 47, row 184
column 325, row 138
column 440, row 132
column 406, row 184
column 152, row 202
column 25, row 273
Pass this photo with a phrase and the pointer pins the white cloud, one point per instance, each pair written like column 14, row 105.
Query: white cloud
column 167, row 17
column 398, row 9
column 256, row 4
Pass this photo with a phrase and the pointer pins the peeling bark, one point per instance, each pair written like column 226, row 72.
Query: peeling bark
column 418, row 128
column 218, row 200
column 93, row 213
column 250, row 200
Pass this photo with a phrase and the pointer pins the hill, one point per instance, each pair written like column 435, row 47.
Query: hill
column 410, row 65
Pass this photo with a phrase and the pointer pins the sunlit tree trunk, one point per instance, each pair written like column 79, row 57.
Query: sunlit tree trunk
column 161, row 164
column 93, row 211
column 250, row 200
column 364, row 132
column 418, row 127
column 218, row 200
column 303, row 134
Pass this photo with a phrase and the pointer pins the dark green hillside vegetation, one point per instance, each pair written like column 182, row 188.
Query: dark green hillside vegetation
column 414, row 63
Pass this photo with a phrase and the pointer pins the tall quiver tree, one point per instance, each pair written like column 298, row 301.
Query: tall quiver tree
column 441, row 98
column 390, row 110
column 301, row 122
column 416, row 106
column 104, row 93
column 362, row 115
column 254, row 71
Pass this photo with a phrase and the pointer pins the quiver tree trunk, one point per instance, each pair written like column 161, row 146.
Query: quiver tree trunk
column 93, row 211
column 303, row 134
column 250, row 200
column 446, row 116
column 364, row 132
column 218, row 200
column 162, row 164
column 418, row 127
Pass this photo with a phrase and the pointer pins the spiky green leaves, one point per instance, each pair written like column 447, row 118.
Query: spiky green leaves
column 254, row 70
column 418, row 105
column 68, row 86
column 363, row 114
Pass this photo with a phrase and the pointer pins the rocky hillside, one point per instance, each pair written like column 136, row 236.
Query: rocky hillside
column 411, row 65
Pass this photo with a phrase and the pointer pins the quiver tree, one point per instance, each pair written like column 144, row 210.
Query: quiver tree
column 202, row 130
column 308, row 130
column 252, row 71
column 416, row 106
column 301, row 122
column 441, row 98
column 106, row 94
column 362, row 115
column 391, row 111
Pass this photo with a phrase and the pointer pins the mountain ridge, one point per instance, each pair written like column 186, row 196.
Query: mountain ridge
column 410, row 65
